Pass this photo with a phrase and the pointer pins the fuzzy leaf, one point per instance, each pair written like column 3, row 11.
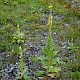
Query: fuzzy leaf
column 38, row 73
column 41, row 57
column 45, row 64
column 55, row 53
column 18, row 77
column 54, row 69
column 47, row 52
column 55, row 60
column 53, row 75
column 26, row 77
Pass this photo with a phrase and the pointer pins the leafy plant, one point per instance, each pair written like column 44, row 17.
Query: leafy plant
column 48, row 58
column 18, row 36
column 18, row 39
column 22, row 67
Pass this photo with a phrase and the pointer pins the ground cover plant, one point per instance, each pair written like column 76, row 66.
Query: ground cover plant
column 39, row 40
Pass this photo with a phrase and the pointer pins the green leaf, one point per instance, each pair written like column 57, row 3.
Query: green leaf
column 54, row 69
column 55, row 60
column 24, row 71
column 43, row 60
column 49, row 42
column 45, row 64
column 47, row 52
column 55, row 52
column 53, row 75
column 18, row 77
column 26, row 77
column 33, row 59
column 42, row 57
column 21, row 64
column 38, row 73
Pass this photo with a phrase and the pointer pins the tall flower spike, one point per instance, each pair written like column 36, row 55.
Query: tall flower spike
column 50, row 16
column 50, row 19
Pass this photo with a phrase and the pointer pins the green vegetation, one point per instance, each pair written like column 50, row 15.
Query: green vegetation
column 22, row 73
column 48, row 58
column 24, row 25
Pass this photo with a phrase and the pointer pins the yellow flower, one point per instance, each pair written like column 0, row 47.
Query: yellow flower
column 50, row 6
column 50, row 20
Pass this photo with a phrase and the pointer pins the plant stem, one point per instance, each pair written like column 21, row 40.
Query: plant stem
column 49, row 39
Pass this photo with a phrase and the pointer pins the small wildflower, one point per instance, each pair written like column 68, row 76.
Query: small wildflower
column 50, row 6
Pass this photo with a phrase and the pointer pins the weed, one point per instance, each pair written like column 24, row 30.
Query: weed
column 18, row 38
column 22, row 73
column 48, row 58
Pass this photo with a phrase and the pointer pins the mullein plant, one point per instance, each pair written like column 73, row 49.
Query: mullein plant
column 23, row 69
column 18, row 38
column 48, row 58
